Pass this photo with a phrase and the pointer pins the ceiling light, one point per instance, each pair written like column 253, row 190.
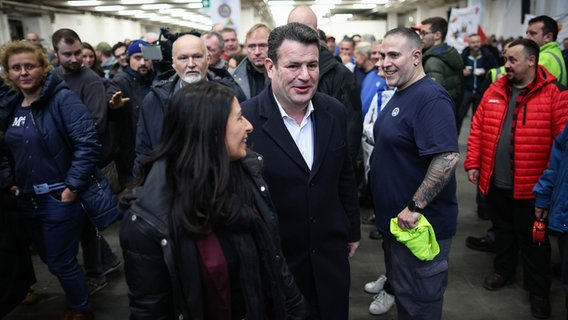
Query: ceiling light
column 195, row 5
column 84, row 3
column 364, row 6
column 341, row 17
column 109, row 8
column 326, row 2
column 137, row 1
column 157, row 6
column 131, row 12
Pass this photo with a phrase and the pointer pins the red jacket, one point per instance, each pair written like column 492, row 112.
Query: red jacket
column 543, row 114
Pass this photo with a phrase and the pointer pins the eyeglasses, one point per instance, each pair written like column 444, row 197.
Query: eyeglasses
column 422, row 32
column 261, row 46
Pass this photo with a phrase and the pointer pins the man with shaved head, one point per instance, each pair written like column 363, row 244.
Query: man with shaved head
column 190, row 62
column 415, row 155
column 337, row 81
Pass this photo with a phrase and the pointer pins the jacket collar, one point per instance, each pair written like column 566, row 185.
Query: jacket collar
column 277, row 131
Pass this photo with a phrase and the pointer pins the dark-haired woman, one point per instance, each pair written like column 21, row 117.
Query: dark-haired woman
column 200, row 235
column 90, row 59
column 52, row 150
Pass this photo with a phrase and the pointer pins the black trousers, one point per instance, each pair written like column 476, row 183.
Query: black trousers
column 513, row 221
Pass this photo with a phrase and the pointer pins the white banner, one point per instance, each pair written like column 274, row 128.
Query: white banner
column 226, row 12
column 463, row 22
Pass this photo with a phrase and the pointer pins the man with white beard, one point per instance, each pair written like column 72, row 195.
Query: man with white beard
column 190, row 62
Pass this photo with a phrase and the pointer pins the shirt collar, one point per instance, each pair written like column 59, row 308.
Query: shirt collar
column 285, row 115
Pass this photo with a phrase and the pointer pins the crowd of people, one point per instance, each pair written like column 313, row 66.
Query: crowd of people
column 241, row 169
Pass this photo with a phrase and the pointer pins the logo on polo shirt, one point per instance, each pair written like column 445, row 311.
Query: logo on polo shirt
column 395, row 112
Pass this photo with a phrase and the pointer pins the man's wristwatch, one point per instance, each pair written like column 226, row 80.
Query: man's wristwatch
column 414, row 208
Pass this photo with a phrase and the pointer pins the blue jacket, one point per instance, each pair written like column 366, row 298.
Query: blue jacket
column 486, row 61
column 67, row 129
column 153, row 110
column 551, row 190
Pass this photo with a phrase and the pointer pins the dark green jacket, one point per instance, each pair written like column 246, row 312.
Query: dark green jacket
column 444, row 64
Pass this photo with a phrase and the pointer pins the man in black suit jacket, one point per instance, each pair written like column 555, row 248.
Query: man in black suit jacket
column 302, row 135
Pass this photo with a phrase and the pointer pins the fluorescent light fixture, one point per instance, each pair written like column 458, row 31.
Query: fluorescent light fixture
column 173, row 11
column 137, row 1
column 157, row 6
column 84, row 3
column 364, row 6
column 109, row 8
column 195, row 5
column 341, row 17
column 131, row 12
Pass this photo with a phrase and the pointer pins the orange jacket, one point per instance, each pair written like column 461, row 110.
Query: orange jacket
column 543, row 115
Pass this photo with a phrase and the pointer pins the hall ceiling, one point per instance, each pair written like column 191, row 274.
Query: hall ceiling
column 190, row 13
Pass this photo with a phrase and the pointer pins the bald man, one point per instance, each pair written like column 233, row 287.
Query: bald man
column 33, row 38
column 337, row 81
column 190, row 62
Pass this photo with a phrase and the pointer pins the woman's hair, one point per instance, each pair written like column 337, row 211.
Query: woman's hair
column 238, row 57
column 96, row 67
column 199, row 172
column 17, row 47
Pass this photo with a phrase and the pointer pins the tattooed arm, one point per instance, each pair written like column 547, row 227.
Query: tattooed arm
column 439, row 173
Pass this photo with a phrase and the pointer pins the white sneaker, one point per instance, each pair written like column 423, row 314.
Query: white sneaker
column 382, row 303
column 376, row 286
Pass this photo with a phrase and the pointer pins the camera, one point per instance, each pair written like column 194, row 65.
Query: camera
column 161, row 52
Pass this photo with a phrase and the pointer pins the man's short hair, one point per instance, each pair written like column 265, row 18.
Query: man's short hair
column 350, row 40
column 69, row 37
column 548, row 25
column 211, row 34
column 530, row 48
column 117, row 45
column 413, row 39
column 294, row 32
column 437, row 24
column 255, row 28
column 227, row 29
column 364, row 47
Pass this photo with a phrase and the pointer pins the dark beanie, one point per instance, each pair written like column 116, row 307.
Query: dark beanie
column 136, row 47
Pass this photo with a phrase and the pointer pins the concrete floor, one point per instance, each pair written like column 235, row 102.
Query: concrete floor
column 465, row 297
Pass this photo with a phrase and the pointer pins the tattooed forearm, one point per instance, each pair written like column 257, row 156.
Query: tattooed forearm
column 441, row 169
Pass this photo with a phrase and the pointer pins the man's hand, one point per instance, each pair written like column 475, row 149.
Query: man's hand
column 540, row 214
column 352, row 248
column 117, row 101
column 473, row 175
column 407, row 219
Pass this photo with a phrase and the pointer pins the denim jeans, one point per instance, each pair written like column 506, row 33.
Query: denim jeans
column 97, row 254
column 55, row 228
